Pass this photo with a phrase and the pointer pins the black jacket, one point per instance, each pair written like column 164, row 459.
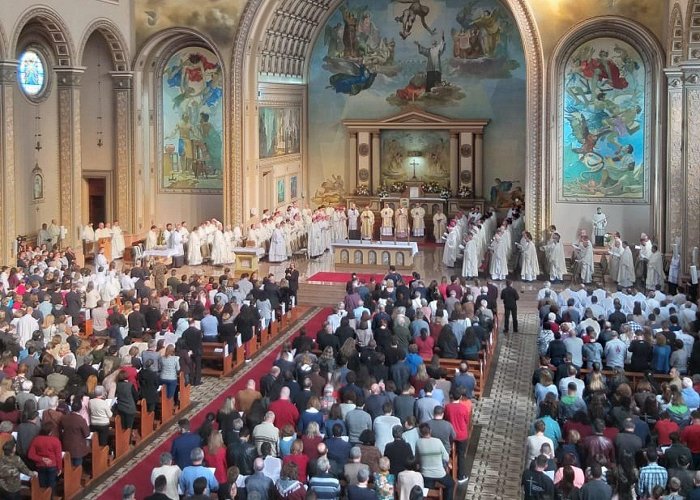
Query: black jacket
column 192, row 338
column 510, row 297
column 242, row 455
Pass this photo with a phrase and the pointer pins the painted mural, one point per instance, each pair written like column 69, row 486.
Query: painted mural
column 192, row 117
column 425, row 154
column 216, row 19
column 457, row 58
column 603, row 135
column 279, row 131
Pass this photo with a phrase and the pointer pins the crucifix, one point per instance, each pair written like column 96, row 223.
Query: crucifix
column 414, row 164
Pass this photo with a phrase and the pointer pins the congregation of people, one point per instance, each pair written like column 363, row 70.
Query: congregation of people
column 617, row 396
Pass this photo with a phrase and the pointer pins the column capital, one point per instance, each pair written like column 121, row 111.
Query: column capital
column 674, row 78
column 8, row 72
column 122, row 80
column 69, row 77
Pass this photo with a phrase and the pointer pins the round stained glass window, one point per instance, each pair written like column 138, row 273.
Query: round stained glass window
column 31, row 73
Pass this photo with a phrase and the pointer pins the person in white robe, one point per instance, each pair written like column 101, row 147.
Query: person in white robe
column 387, row 227
column 152, row 238
column 655, row 269
column 55, row 232
column 237, row 236
column 625, row 274
column 118, row 244
column 220, row 254
column 101, row 260
column 615, row 252
column 499, row 256
column 530, row 268
column 204, row 248
column 470, row 263
column 439, row 226
column 674, row 270
column 556, row 259
column 278, row 249
column 339, row 224
column 644, row 248
column 600, row 222
column 44, row 237
column 418, row 218
column 315, row 242
column 402, row 226
column 194, row 249
column 449, row 255
column 367, row 223
column 353, row 224
column 175, row 242
column 88, row 237
column 586, row 261
column 102, row 232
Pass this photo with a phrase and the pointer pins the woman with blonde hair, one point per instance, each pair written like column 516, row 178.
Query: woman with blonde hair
column 311, row 439
column 364, row 330
column 384, row 481
column 48, row 328
column 287, row 438
column 311, row 414
column 421, row 378
column 6, row 390
column 169, row 371
column 215, row 455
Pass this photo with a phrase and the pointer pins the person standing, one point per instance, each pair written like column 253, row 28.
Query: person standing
column 367, row 227
column 510, row 297
column 418, row 215
column 600, row 221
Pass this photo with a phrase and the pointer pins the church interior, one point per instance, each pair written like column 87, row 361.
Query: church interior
column 141, row 113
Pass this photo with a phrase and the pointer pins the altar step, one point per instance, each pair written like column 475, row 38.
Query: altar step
column 320, row 295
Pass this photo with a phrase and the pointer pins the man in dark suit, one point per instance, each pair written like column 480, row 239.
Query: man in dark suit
column 192, row 338
column 73, row 304
column 510, row 297
column 291, row 274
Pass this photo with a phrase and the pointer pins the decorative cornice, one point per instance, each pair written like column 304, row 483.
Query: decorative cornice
column 8, row 72
column 69, row 77
column 122, row 80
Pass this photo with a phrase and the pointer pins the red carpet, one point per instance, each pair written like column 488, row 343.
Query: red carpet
column 345, row 277
column 142, row 480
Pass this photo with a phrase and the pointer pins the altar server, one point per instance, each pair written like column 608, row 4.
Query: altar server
column 655, row 269
column 499, row 256
column 418, row 216
column 625, row 275
column 387, row 214
column 439, row 225
column 530, row 268
column 152, row 238
column 194, row 248
column 353, row 225
column 470, row 264
column 367, row 223
column 449, row 255
column 586, row 260
column 556, row 260
column 278, row 249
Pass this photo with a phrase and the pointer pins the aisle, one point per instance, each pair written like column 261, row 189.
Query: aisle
column 206, row 398
column 505, row 416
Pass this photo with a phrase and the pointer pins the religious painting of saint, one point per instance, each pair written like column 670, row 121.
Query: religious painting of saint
column 192, row 123
column 293, row 187
column 603, row 119
column 279, row 131
column 38, row 187
column 281, row 194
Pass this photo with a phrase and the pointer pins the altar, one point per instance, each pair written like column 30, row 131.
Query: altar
column 356, row 254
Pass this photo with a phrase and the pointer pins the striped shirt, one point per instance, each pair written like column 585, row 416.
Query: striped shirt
column 326, row 487
column 650, row 476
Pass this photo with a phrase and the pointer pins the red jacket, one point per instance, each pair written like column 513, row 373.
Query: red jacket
column 46, row 447
column 218, row 462
column 691, row 437
column 459, row 415
column 285, row 413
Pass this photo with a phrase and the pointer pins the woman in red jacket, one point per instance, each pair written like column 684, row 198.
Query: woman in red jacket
column 46, row 453
column 74, row 433
column 297, row 457
column 215, row 456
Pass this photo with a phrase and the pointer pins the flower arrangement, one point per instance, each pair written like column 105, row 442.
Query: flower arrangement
column 445, row 193
column 464, row 192
column 397, row 187
column 362, row 191
column 432, row 187
column 607, row 239
column 383, row 191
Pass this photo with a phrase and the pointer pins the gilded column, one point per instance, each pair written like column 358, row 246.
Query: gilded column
column 8, row 77
column 126, row 189
column 691, row 155
column 675, row 204
column 69, row 151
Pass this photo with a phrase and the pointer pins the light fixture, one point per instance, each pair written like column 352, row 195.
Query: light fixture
column 37, row 131
column 100, row 142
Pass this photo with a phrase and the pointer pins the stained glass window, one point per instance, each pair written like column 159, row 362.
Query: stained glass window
column 31, row 73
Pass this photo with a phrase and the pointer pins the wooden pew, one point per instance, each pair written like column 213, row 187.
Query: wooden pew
column 99, row 455
column 72, row 477
column 216, row 354
column 122, row 438
column 184, row 391
column 39, row 493
column 476, row 368
column 167, row 404
column 633, row 377
column 147, row 420
column 240, row 357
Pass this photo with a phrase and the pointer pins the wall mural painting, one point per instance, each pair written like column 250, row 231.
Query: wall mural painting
column 192, row 123
column 281, row 194
column 294, row 187
column 604, row 143
column 279, row 131
column 458, row 58
column 425, row 154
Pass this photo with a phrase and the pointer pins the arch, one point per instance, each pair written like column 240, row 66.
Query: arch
column 58, row 34
column 261, row 20
column 113, row 37
column 692, row 30
column 653, row 55
column 676, row 37
column 3, row 44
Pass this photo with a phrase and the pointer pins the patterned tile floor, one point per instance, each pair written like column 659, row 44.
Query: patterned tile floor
column 201, row 396
column 504, row 417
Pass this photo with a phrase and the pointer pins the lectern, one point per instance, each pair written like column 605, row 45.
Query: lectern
column 105, row 243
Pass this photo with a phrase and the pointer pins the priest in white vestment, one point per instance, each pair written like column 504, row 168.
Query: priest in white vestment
column 586, row 261
column 418, row 216
column 152, row 238
column 600, row 222
column 499, row 256
column 44, row 237
column 387, row 215
column 237, row 236
column 655, row 269
column 175, row 242
column 220, row 254
column 339, row 224
column 278, row 249
column 367, row 223
column 315, row 243
column 88, row 237
column 615, row 252
column 194, row 249
column 449, row 255
column 644, row 248
column 556, row 259
column 439, row 226
column 118, row 244
column 402, row 227
column 530, row 267
column 470, row 262
column 625, row 274
column 353, row 225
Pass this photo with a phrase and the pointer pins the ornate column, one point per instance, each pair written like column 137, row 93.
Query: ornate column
column 675, row 181
column 69, row 151
column 8, row 77
column 691, row 155
column 126, row 189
